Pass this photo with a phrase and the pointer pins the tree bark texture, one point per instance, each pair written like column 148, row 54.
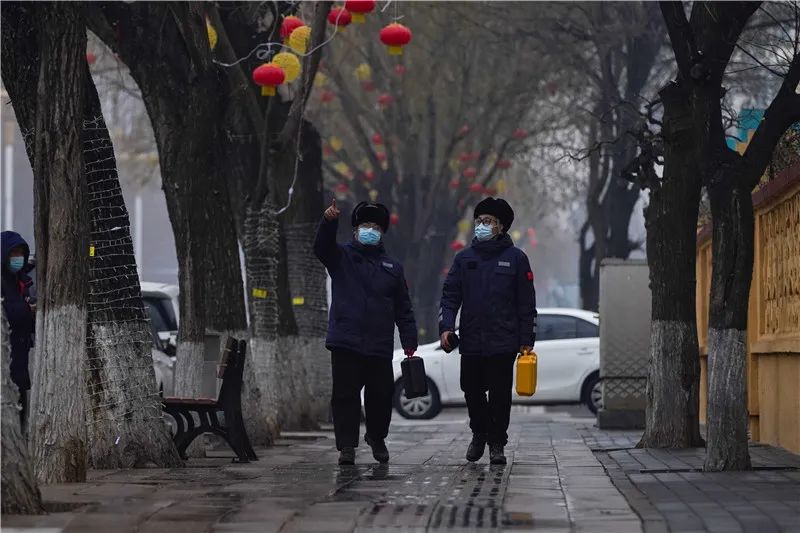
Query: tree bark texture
column 307, row 284
column 20, row 493
column 126, row 425
column 673, row 385
column 58, row 402
column 185, row 109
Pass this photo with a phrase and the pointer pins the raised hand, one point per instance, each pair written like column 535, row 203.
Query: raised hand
column 332, row 213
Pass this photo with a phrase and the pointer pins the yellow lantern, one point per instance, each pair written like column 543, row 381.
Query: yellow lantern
column 453, row 164
column 336, row 143
column 290, row 65
column 363, row 72
column 501, row 186
column 342, row 168
column 212, row 34
column 299, row 39
column 516, row 234
column 463, row 225
column 320, row 80
column 373, row 195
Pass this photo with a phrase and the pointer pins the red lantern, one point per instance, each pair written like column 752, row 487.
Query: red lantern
column 339, row 17
column 342, row 188
column 455, row 184
column 327, row 96
column 368, row 86
column 90, row 58
column 465, row 157
column 519, row 134
column 504, row 164
column 268, row 76
column 457, row 245
column 369, row 176
column 327, row 151
column 385, row 100
column 400, row 69
column 476, row 187
column 394, row 219
column 290, row 24
column 470, row 172
column 465, row 129
column 532, row 237
column 359, row 8
column 381, row 156
column 377, row 139
column 395, row 36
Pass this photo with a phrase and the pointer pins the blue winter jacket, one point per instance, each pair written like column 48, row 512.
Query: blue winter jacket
column 20, row 317
column 492, row 283
column 370, row 296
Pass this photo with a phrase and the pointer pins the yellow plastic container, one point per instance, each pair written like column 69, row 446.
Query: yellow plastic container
column 526, row 374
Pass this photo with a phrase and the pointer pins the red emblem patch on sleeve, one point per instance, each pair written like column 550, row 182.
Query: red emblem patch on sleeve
column 530, row 276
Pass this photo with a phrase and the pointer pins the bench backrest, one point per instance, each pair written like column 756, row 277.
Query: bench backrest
column 231, row 369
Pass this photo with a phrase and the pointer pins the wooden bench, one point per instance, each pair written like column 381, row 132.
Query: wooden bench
column 188, row 411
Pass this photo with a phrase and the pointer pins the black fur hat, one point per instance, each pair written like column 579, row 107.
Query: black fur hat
column 496, row 207
column 368, row 212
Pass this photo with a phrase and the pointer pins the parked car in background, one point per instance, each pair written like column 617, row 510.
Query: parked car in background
column 568, row 349
column 161, row 304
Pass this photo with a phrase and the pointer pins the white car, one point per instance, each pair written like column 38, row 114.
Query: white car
column 568, row 349
column 161, row 304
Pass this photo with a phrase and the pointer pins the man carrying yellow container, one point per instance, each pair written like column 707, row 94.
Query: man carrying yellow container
column 492, row 283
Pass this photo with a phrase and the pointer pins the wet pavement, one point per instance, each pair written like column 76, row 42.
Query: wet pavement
column 563, row 475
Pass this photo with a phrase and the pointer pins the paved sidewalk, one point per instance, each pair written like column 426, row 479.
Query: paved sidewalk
column 553, row 483
column 670, row 492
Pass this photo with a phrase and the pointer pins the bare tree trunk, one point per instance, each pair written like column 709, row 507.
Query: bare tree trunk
column 262, row 384
column 126, row 425
column 731, row 276
column 673, row 384
column 58, row 406
column 20, row 493
column 184, row 108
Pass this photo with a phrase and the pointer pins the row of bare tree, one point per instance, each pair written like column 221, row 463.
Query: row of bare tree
column 231, row 160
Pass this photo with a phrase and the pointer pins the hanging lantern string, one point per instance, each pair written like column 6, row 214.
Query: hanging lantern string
column 297, row 159
column 264, row 54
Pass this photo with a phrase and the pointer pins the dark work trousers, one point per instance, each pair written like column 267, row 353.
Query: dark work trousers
column 352, row 371
column 495, row 374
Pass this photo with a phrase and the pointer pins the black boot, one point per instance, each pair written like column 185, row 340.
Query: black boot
column 347, row 456
column 379, row 450
column 476, row 449
column 496, row 455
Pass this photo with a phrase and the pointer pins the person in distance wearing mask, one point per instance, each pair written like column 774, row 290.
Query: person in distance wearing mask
column 492, row 283
column 369, row 297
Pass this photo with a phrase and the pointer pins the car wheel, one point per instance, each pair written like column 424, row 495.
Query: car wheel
column 422, row 408
column 593, row 393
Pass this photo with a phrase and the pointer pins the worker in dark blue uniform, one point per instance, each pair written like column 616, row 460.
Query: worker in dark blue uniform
column 492, row 283
column 19, row 309
column 370, row 296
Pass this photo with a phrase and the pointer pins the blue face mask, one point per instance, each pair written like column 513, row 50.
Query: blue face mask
column 483, row 232
column 16, row 263
column 369, row 236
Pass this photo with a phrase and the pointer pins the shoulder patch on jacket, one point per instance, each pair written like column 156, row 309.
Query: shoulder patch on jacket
column 388, row 265
column 504, row 263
